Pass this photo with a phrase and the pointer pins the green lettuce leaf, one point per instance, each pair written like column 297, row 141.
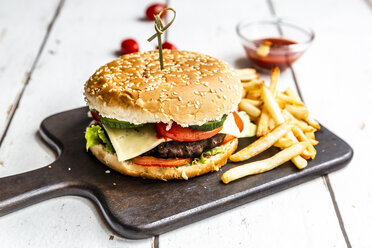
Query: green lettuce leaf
column 203, row 159
column 95, row 136
column 214, row 151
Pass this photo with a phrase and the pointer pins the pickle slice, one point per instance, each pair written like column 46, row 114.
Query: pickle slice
column 118, row 124
column 210, row 125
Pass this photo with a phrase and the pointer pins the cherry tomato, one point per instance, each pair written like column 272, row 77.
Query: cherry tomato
column 129, row 46
column 176, row 132
column 238, row 121
column 168, row 45
column 95, row 116
column 162, row 162
column 155, row 9
column 228, row 138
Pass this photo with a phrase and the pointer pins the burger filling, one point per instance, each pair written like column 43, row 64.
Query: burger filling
column 180, row 149
column 166, row 145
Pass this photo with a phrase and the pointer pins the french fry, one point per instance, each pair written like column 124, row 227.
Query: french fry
column 253, row 84
column 301, row 124
column 310, row 135
column 263, row 143
column 253, row 95
column 263, row 123
column 270, row 109
column 312, row 122
column 254, row 91
column 244, row 93
column 300, row 112
column 314, row 142
column 281, row 103
column 272, row 124
column 246, row 74
column 311, row 138
column 264, row 165
column 306, row 155
column 254, row 102
column 301, row 137
column 284, row 143
column 293, row 95
column 273, row 108
column 274, row 78
column 287, row 99
column 251, row 110
column 299, row 161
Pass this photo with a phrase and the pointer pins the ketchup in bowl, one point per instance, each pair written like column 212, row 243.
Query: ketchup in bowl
column 270, row 52
column 274, row 42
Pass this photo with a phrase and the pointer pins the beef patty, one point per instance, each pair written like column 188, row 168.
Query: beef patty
column 179, row 149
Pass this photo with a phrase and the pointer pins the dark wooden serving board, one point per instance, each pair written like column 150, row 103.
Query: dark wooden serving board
column 137, row 208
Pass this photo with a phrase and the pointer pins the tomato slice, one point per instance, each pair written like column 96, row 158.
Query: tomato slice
column 176, row 132
column 228, row 138
column 161, row 162
column 238, row 121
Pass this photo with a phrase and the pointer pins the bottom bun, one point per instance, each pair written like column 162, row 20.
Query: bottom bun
column 213, row 163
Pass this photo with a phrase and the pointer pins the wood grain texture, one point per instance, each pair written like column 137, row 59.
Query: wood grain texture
column 335, row 78
column 23, row 26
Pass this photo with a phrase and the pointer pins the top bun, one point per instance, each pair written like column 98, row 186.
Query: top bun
column 192, row 88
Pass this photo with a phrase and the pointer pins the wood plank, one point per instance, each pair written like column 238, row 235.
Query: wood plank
column 298, row 217
column 335, row 78
column 63, row 222
column 85, row 36
column 23, row 25
column 302, row 216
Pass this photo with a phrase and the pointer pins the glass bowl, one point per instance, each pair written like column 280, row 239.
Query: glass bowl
column 274, row 42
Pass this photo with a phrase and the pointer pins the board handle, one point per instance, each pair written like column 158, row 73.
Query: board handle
column 22, row 190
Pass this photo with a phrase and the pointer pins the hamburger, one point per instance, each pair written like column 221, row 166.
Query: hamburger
column 175, row 123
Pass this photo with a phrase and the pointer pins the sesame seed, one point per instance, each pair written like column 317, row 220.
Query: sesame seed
column 180, row 98
column 107, row 171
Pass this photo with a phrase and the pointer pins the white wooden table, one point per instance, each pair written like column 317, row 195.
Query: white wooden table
column 49, row 48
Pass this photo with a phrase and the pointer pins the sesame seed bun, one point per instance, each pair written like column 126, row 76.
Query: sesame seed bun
column 192, row 88
column 213, row 163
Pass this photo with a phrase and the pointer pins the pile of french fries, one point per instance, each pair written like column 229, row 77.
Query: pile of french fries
column 282, row 121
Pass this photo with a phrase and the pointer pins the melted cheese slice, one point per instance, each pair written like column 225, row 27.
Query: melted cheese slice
column 132, row 142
